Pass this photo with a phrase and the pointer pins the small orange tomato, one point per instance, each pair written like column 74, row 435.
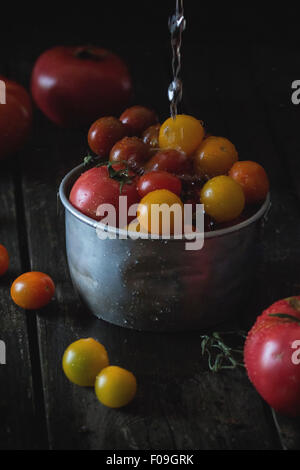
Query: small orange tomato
column 253, row 179
column 215, row 156
column 4, row 260
column 115, row 387
column 32, row 290
column 183, row 133
column 223, row 198
column 159, row 212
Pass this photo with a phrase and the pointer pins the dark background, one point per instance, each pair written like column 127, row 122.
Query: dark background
column 111, row 22
column 239, row 63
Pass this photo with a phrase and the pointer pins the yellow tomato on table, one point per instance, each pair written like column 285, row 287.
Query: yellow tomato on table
column 83, row 360
column 115, row 387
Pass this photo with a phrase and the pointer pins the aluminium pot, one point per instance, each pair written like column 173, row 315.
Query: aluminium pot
column 151, row 285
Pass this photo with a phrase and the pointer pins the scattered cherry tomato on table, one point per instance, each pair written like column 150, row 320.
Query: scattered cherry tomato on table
column 253, row 179
column 137, row 119
column 32, row 290
column 215, row 157
column 15, row 118
column 4, row 260
column 83, row 360
column 272, row 356
column 183, row 133
column 158, row 180
column 73, row 86
column 104, row 133
column 115, row 387
column 223, row 198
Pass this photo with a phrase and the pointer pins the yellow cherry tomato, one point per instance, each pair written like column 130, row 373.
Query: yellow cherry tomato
column 183, row 133
column 83, row 360
column 4, row 260
column 152, row 205
column 215, row 156
column 223, row 198
column 115, row 387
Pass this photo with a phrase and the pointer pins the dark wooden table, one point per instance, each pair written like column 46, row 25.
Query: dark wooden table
column 241, row 93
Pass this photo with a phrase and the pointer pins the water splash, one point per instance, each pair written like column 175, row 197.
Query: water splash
column 177, row 25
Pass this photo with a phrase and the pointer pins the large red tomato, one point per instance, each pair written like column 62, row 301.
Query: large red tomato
column 272, row 356
column 15, row 118
column 74, row 86
column 95, row 187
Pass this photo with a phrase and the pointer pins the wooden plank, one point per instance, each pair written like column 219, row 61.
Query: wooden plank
column 21, row 426
column 274, row 71
column 249, row 130
column 21, row 414
column 180, row 405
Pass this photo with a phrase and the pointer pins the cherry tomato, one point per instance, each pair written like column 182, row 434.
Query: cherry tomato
column 150, row 135
column 15, row 118
column 253, row 179
column 73, row 86
column 214, row 157
column 130, row 149
column 4, row 260
column 137, row 119
column 115, row 387
column 32, row 290
column 272, row 356
column 171, row 161
column 223, row 198
column 160, row 226
column 182, row 133
column 104, row 133
column 95, row 187
column 158, row 180
column 83, row 360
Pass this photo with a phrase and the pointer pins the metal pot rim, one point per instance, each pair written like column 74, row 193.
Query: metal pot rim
column 63, row 193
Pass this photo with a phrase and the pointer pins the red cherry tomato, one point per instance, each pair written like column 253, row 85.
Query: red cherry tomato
column 137, row 119
column 272, row 356
column 4, row 260
column 158, row 180
column 104, row 133
column 74, row 86
column 32, row 290
column 95, row 187
column 130, row 149
column 15, row 118
column 253, row 179
column 172, row 161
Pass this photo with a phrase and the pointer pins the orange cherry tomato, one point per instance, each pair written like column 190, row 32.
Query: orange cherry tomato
column 115, row 387
column 223, row 198
column 214, row 157
column 157, row 225
column 253, row 179
column 83, row 360
column 4, row 260
column 183, row 133
column 32, row 290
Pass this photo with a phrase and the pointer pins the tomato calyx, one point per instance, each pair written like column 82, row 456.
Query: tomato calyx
column 294, row 303
column 220, row 355
column 122, row 175
column 285, row 316
column 89, row 53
